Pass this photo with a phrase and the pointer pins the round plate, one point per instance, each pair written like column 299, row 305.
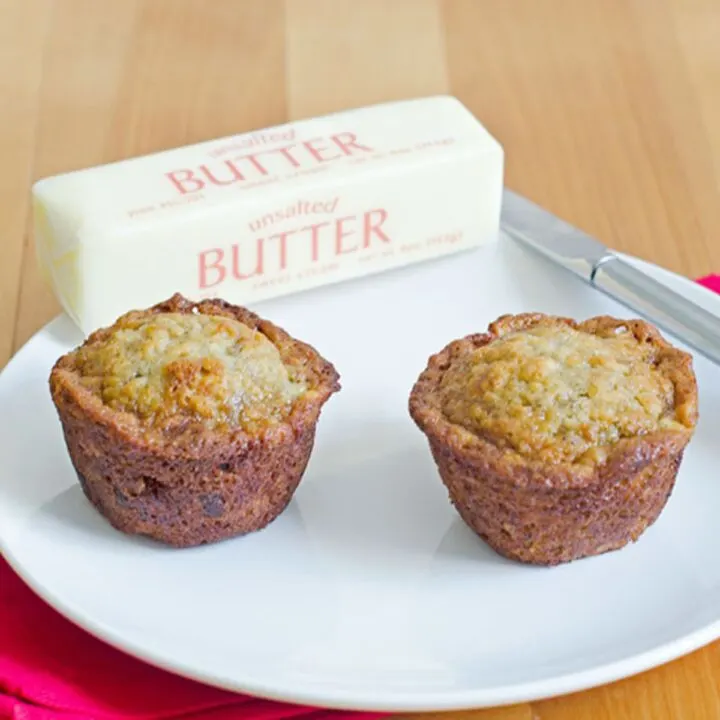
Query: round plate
column 369, row 592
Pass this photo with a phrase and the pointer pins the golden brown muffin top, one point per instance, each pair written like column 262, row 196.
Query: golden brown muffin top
column 172, row 366
column 560, row 393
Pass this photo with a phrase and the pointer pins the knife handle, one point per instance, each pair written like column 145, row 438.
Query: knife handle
column 688, row 322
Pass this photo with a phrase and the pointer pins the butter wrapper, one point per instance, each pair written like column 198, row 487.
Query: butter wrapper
column 271, row 212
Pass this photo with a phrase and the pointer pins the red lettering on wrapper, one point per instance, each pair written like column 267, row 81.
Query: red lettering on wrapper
column 181, row 183
column 299, row 250
column 316, row 151
column 259, row 261
column 342, row 232
column 373, row 226
column 348, row 140
column 315, row 239
column 205, row 267
column 285, row 152
column 282, row 240
column 214, row 175
column 273, row 162
column 256, row 163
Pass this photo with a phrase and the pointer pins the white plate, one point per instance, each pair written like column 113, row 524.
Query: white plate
column 369, row 592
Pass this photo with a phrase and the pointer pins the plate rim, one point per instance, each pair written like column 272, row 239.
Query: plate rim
column 395, row 701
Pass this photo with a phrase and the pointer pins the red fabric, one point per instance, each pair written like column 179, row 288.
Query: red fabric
column 52, row 670
column 711, row 281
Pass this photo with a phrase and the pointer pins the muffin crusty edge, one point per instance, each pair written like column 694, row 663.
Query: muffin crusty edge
column 549, row 514
column 198, row 486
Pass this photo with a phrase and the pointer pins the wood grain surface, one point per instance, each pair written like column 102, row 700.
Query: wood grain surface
column 609, row 112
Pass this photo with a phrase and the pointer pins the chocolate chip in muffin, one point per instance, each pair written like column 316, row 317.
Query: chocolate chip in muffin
column 191, row 422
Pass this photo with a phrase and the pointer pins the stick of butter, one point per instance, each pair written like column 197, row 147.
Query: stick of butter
column 271, row 212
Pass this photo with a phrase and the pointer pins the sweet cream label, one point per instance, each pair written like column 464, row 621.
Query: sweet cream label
column 272, row 212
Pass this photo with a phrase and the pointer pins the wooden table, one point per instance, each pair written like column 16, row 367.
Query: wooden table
column 609, row 112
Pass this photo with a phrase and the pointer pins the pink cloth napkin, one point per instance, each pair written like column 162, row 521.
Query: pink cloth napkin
column 711, row 281
column 52, row 670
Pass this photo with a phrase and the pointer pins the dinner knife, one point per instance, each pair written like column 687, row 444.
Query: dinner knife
column 584, row 256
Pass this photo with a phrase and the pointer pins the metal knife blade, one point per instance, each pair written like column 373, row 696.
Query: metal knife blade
column 584, row 256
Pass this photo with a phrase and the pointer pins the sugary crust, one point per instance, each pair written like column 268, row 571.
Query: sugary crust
column 547, row 514
column 191, row 484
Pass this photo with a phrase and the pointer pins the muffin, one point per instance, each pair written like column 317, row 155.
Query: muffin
column 191, row 423
column 558, row 439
